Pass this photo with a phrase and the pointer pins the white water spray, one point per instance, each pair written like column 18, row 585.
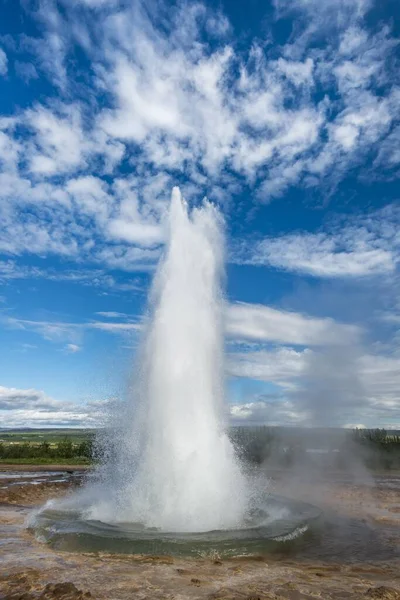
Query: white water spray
column 173, row 466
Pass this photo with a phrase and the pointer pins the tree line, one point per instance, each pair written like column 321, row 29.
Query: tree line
column 276, row 447
column 336, row 449
column 64, row 449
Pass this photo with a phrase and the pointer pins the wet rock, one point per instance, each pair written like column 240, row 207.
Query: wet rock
column 52, row 591
column 18, row 585
column 243, row 594
column 160, row 560
column 383, row 592
column 18, row 596
column 63, row 591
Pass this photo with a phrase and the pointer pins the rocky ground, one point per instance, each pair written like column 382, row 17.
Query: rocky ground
column 30, row 570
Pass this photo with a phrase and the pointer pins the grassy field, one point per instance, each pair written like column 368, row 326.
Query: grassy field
column 73, row 462
column 46, row 446
column 282, row 447
column 52, row 436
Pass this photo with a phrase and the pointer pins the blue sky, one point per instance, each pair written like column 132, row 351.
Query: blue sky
column 285, row 114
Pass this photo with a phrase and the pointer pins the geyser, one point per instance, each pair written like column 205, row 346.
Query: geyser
column 186, row 476
column 169, row 481
column 173, row 466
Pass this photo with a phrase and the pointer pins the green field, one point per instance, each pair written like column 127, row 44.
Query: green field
column 46, row 446
column 45, row 461
column 280, row 447
column 39, row 435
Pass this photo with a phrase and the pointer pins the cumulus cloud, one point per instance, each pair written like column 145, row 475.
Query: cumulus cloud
column 326, row 387
column 266, row 411
column 176, row 106
column 34, row 408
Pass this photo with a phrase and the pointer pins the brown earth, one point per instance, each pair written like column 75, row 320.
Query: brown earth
column 30, row 570
column 53, row 467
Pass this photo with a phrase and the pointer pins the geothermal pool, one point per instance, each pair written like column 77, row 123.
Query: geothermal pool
column 277, row 520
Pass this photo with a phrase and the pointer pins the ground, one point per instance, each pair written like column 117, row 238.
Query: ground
column 342, row 567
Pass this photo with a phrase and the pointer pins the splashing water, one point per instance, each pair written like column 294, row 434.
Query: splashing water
column 169, row 481
column 172, row 465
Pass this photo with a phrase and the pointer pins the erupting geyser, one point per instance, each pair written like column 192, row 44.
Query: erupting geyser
column 174, row 467
column 169, row 480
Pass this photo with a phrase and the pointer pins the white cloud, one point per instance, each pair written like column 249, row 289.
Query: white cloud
column 60, row 140
column 243, row 322
column 55, row 331
column 368, row 246
column 389, row 152
column 315, row 9
column 320, row 387
column 97, row 3
column 111, row 314
column 352, row 39
column 26, row 347
column 125, row 258
column 263, row 323
column 72, row 348
column 287, row 412
column 3, row 62
column 98, row 278
column 298, row 72
column 33, row 408
column 319, row 255
column 265, row 411
column 26, row 71
column 280, row 366
column 115, row 327
column 135, row 233
column 60, row 331
column 177, row 108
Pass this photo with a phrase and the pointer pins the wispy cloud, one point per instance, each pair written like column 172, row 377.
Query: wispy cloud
column 368, row 246
column 262, row 323
column 62, row 331
column 110, row 314
column 183, row 101
column 115, row 327
column 243, row 322
column 72, row 348
column 3, row 62
column 12, row 270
